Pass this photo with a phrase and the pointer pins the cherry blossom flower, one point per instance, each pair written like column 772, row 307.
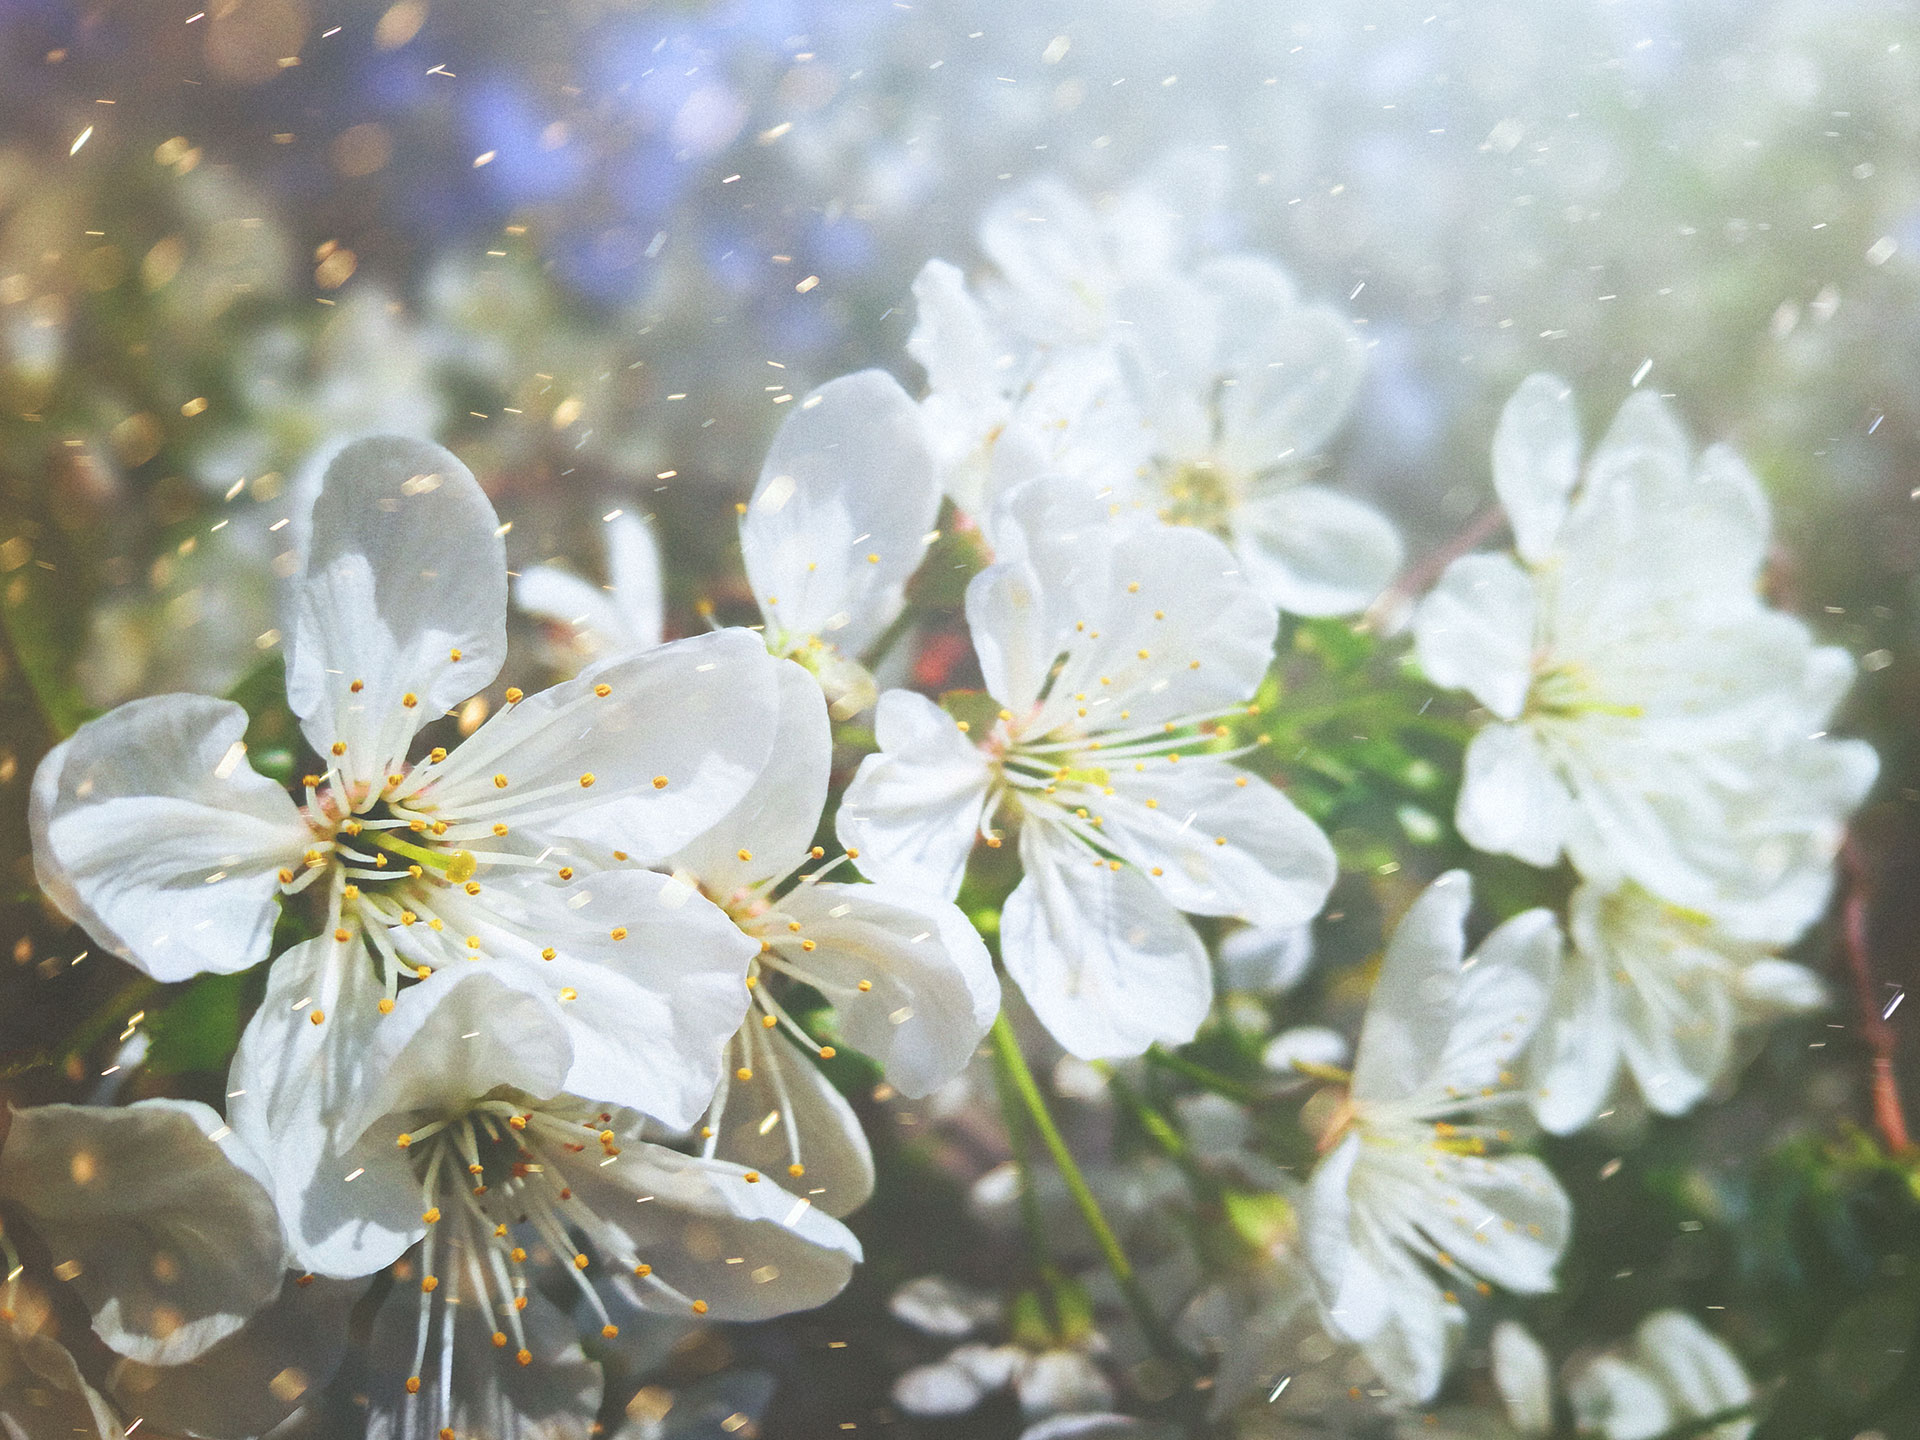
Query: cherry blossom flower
column 518, row 848
column 1413, row 1181
column 1675, row 1371
column 1658, row 991
column 1126, row 817
column 910, row 981
column 464, row 1154
column 1655, row 721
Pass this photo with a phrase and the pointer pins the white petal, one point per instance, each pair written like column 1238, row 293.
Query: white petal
column 1475, row 632
column 1178, row 632
column 1296, row 367
column 914, row 809
column 1692, row 1364
column 1410, row 1351
column 958, row 347
column 935, row 1305
column 555, row 1398
column 152, row 831
column 657, row 971
column 1400, row 1045
column 1505, row 1218
column 1352, row 1291
column 1576, row 1054
column 1524, row 1377
column 1618, row 1400
column 1266, row 959
column 704, row 1213
column 292, row 1084
column 1106, row 963
column 942, row 1388
column 1056, row 1380
column 1097, row 1426
column 633, row 570
column 1315, row 551
column 786, row 1113
column 1769, row 988
column 1219, row 841
column 1502, row 994
column 838, row 521
column 173, row 1245
column 1536, row 461
column 1511, row 801
column 1050, row 249
column 933, row 995
column 699, row 714
column 775, row 820
column 405, row 569
column 452, row 1039
column 256, row 1377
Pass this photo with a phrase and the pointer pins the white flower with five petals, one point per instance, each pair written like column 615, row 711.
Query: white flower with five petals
column 519, row 848
column 1654, row 720
column 1412, row 1186
column 1112, row 655
column 464, row 1149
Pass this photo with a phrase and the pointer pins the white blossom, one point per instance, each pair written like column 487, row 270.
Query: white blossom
column 1125, row 817
column 1674, row 1371
column 1413, row 1184
column 1654, row 720
column 585, row 622
column 519, row 848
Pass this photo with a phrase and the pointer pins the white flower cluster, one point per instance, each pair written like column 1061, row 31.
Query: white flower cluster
column 530, row 999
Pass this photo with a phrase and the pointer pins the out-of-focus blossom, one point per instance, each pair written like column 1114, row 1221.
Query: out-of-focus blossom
column 1412, row 1177
column 587, row 622
column 1125, row 817
column 839, row 521
column 1655, row 720
column 1675, row 1371
column 909, row 980
column 1658, row 990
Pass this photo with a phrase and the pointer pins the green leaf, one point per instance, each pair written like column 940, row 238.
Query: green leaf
column 200, row 1029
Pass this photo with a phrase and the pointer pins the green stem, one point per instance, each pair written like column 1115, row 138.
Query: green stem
column 1007, row 1050
column 1015, row 1120
column 1161, row 1131
column 1207, row 1079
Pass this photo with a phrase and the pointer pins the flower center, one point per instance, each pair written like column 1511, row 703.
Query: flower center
column 1202, row 494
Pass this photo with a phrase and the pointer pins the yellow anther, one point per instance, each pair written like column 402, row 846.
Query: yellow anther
column 603, row 691
column 339, row 747
column 430, row 1283
column 1133, row 587
column 872, row 559
column 619, row 932
column 409, row 700
column 699, row 1307
column 806, row 945
column 1193, row 665
column 579, row 1262
column 796, row 1170
column 439, row 827
column 286, row 876
column 499, row 1339
column 515, row 695
column 548, row 953
column 963, row 726
column 609, row 1332
column 1157, row 871
column 318, row 1017
column 386, row 1005
column 569, row 993
column 659, row 782
column 407, row 917
column 752, row 1177
column 827, row 1052
column 586, row 781
column 1144, row 655
column 436, row 755
column 816, row 852
column 499, row 782
column 606, row 1137
column 865, row 986
column 517, row 1255
column 1219, row 839
column 404, row 1141
column 743, row 1074
column 350, row 892
column 519, row 1302
column 745, row 855
column 472, row 887
column 525, row 1357
column 473, row 942
column 852, row 854
column 767, row 1022
column 424, row 972
column 643, row 1270
column 454, row 654
column 413, row 1384
column 794, row 925
column 566, row 872
column 1006, row 714
column 310, row 781
column 432, row 1215
column 357, row 686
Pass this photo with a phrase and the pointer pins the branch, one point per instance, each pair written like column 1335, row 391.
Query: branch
column 1889, row 1116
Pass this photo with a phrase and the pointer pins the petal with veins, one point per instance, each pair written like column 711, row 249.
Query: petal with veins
column 1315, row 551
column 1536, row 462
column 914, row 808
column 1475, row 632
column 152, row 831
column 785, row 1113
